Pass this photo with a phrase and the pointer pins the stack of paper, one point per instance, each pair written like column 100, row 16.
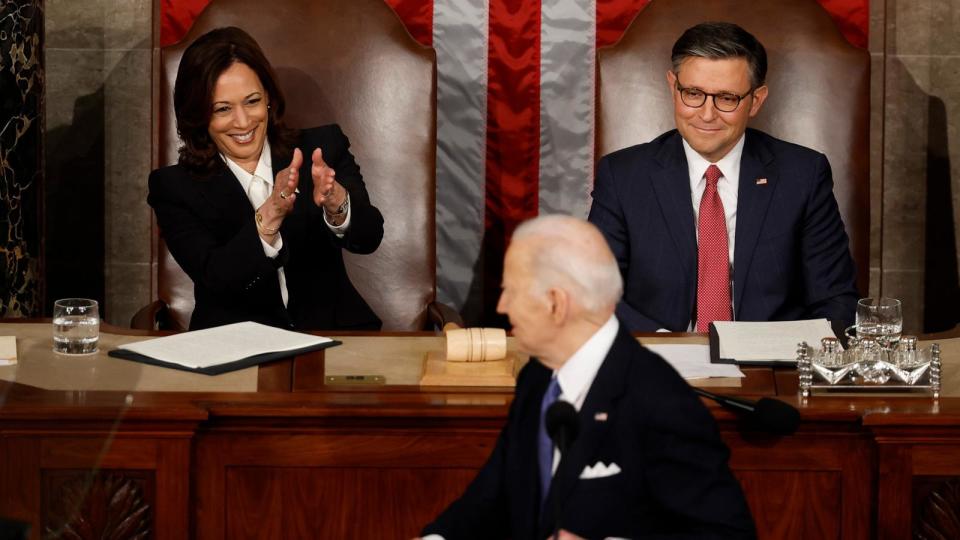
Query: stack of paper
column 693, row 361
column 222, row 349
column 766, row 342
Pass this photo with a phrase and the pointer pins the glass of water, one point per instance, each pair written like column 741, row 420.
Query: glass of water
column 76, row 326
column 880, row 319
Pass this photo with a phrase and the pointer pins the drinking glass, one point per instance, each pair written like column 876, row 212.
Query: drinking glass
column 880, row 319
column 76, row 326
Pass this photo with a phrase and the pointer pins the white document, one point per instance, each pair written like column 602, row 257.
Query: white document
column 8, row 350
column 769, row 341
column 223, row 344
column 693, row 361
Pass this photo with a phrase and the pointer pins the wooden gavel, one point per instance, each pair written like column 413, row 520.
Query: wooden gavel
column 475, row 344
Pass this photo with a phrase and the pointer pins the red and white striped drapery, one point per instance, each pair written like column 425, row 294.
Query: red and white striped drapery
column 515, row 98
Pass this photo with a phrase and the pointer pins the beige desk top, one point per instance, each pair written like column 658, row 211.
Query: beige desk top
column 398, row 358
column 39, row 366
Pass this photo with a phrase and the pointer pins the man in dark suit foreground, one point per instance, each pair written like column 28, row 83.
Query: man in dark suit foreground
column 648, row 462
column 714, row 221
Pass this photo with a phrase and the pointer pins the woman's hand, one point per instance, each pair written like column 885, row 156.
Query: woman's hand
column 327, row 192
column 280, row 202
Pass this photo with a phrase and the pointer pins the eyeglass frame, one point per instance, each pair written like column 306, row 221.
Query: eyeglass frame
column 740, row 98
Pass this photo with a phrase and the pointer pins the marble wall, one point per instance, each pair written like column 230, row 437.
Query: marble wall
column 98, row 138
column 21, row 143
column 98, row 95
column 916, row 158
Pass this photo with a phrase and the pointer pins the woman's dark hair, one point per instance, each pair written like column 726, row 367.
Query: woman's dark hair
column 202, row 64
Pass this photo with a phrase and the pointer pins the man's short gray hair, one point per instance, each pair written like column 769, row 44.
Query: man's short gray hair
column 572, row 254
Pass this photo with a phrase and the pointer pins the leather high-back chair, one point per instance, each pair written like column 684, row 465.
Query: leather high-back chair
column 349, row 62
column 819, row 90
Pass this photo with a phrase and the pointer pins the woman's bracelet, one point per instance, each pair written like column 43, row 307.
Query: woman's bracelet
column 263, row 229
column 341, row 210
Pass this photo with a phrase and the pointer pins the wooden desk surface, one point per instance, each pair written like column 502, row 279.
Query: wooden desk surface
column 203, row 453
column 398, row 357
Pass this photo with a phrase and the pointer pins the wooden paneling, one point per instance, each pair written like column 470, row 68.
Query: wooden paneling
column 809, row 485
column 936, row 459
column 332, row 502
column 106, row 452
column 798, row 504
column 173, row 489
column 102, row 486
column 19, row 480
column 330, row 483
column 894, row 500
column 304, row 460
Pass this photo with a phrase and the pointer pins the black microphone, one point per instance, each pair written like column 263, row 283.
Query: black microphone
column 563, row 426
column 771, row 415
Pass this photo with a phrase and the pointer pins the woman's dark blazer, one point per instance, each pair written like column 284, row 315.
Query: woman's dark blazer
column 209, row 226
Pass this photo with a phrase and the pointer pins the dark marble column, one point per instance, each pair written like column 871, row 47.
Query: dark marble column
column 21, row 173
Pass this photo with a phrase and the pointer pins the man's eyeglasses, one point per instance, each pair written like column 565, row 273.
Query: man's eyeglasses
column 723, row 101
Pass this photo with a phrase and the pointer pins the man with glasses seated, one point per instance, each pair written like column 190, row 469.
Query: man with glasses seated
column 713, row 221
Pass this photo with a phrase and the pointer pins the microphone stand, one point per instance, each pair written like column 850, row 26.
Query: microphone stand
column 557, row 506
column 563, row 427
column 769, row 415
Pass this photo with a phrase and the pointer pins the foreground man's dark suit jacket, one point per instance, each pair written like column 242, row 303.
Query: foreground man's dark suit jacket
column 791, row 254
column 674, row 480
column 209, row 227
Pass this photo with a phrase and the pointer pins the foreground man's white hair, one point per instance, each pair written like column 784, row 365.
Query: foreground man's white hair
column 572, row 254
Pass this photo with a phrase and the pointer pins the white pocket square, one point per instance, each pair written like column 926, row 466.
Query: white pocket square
column 599, row 470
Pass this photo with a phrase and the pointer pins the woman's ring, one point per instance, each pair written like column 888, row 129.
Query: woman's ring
column 283, row 194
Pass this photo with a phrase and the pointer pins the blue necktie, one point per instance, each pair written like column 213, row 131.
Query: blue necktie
column 544, row 444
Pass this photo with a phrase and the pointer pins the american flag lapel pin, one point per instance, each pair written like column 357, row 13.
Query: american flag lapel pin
column 600, row 417
column 761, row 181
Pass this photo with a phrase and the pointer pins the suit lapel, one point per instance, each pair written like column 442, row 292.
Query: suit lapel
column 753, row 200
column 671, row 184
column 607, row 387
column 222, row 191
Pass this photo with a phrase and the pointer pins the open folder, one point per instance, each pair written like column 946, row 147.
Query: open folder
column 764, row 343
column 221, row 349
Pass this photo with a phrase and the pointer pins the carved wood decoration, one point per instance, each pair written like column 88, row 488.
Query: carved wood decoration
column 109, row 505
column 938, row 516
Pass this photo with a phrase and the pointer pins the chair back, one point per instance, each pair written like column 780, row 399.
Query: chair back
column 349, row 62
column 819, row 91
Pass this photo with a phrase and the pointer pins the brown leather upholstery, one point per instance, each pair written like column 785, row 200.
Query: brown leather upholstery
column 819, row 90
column 350, row 62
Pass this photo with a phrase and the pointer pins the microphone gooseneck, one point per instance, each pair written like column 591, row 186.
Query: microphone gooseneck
column 770, row 415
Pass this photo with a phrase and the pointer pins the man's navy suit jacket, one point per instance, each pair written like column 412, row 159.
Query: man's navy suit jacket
column 791, row 254
column 638, row 413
